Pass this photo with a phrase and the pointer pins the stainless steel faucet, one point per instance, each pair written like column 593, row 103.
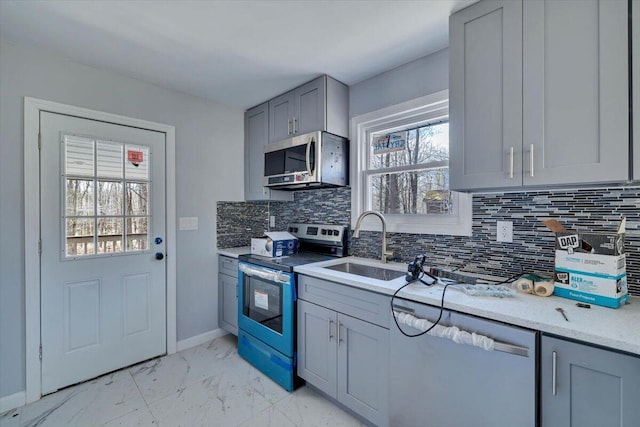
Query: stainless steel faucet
column 356, row 232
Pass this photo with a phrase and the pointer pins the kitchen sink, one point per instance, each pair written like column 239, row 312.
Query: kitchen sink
column 367, row 271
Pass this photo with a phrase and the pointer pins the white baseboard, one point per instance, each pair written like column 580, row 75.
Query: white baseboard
column 200, row 339
column 12, row 401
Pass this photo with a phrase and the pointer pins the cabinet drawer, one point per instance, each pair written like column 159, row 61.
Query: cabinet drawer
column 228, row 265
column 368, row 306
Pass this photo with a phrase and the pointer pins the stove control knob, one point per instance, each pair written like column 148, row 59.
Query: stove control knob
column 323, row 231
column 336, row 232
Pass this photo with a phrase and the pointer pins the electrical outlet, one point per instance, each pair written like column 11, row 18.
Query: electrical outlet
column 272, row 221
column 504, row 231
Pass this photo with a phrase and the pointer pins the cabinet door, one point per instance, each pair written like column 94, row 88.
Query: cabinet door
column 310, row 107
column 485, row 95
column 575, row 94
column 317, row 355
column 635, row 43
column 593, row 387
column 281, row 111
column 256, row 137
column 363, row 368
column 228, row 307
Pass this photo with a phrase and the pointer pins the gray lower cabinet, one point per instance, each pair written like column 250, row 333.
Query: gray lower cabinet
column 586, row 386
column 523, row 112
column 345, row 357
column 228, row 294
column 256, row 137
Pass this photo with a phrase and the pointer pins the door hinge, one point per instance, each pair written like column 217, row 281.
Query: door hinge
column 40, row 246
column 40, row 351
column 39, row 140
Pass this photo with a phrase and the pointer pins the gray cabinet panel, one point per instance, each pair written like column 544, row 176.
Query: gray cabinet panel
column 575, row 94
column 317, row 358
column 310, row 107
column 256, row 137
column 635, row 44
column 281, row 112
column 593, row 386
column 345, row 357
column 486, row 95
column 228, row 294
column 363, row 375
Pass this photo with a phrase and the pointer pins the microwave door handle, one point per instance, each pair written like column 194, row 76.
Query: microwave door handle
column 308, row 156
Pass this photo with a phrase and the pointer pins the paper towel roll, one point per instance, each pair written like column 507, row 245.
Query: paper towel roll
column 543, row 289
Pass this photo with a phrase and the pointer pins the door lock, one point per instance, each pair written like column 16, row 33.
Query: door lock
column 159, row 255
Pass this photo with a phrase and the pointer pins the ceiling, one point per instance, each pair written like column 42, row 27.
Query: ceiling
column 239, row 53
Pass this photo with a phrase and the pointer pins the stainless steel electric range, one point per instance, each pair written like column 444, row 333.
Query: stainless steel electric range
column 267, row 300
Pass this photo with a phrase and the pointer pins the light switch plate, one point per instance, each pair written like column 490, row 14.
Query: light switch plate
column 188, row 223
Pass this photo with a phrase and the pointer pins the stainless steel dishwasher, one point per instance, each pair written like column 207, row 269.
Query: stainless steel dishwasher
column 437, row 382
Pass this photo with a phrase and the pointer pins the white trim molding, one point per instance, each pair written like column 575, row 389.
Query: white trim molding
column 201, row 339
column 32, row 109
column 12, row 401
column 415, row 112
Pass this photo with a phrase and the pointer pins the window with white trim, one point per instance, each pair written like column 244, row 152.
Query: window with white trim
column 401, row 159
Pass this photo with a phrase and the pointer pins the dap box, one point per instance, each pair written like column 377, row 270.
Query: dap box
column 276, row 244
column 590, row 266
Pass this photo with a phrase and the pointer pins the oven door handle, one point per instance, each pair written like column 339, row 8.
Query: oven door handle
column 266, row 274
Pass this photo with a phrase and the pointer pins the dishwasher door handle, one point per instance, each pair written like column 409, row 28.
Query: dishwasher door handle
column 497, row 345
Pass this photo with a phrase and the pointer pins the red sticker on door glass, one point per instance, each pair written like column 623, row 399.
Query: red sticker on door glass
column 135, row 156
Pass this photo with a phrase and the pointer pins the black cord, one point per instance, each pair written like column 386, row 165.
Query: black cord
column 428, row 284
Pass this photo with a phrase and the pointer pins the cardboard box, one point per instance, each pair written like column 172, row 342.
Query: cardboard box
column 590, row 266
column 276, row 244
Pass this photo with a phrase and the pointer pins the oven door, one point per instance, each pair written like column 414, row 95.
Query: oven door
column 266, row 304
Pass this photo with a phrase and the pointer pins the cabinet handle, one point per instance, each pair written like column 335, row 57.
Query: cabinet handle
column 531, row 161
column 294, row 125
column 289, row 127
column 554, row 372
column 511, row 163
column 330, row 328
column 339, row 338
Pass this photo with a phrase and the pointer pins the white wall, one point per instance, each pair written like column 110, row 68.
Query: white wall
column 209, row 147
column 423, row 76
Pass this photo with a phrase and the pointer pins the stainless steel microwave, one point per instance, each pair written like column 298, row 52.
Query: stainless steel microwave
column 312, row 160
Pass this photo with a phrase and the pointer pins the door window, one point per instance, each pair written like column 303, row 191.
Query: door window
column 106, row 197
column 262, row 302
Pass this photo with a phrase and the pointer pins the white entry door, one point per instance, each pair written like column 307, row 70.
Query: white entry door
column 103, row 274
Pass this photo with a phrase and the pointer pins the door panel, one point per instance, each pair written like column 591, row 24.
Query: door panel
column 103, row 292
column 576, row 114
column 486, row 95
column 280, row 116
column 310, row 107
column 317, row 358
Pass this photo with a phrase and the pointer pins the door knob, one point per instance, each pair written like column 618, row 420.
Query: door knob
column 159, row 255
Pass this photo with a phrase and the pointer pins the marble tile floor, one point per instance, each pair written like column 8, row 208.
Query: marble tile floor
column 208, row 385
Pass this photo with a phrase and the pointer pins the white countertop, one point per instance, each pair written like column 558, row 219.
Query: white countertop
column 615, row 328
column 235, row 252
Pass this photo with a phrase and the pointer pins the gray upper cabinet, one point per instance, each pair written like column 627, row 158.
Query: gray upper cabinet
column 635, row 43
column 322, row 104
column 576, row 92
column 485, row 95
column 281, row 114
column 256, row 137
column 585, row 386
column 534, row 104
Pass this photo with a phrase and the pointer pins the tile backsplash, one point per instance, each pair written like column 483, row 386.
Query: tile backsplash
column 531, row 250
